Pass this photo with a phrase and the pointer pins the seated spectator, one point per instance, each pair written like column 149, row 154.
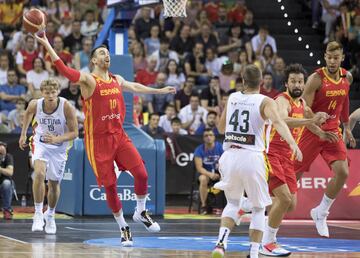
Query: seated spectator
column 267, row 59
column 144, row 23
column 263, row 38
column 237, row 13
column 66, row 25
column 330, row 12
column 14, row 115
column 249, row 28
column 266, row 87
column 26, row 55
column 17, row 129
column 152, row 43
column 192, row 115
column 242, row 63
column 89, row 26
column 71, row 93
column 73, row 42
column 172, row 27
column 64, row 55
column 227, row 76
column 6, row 186
column 165, row 120
column 51, row 32
column 11, row 92
column 163, row 55
column 4, row 67
column 182, row 43
column 233, row 40
column 176, row 127
column 222, row 23
column 224, row 98
column 211, row 121
column 200, row 19
column 138, row 115
column 195, row 65
column 82, row 57
column 182, row 97
column 147, row 76
column 206, row 37
column 158, row 102
column 279, row 73
column 213, row 63
column 239, row 86
column 138, row 54
column 11, row 13
column 212, row 9
column 175, row 78
column 35, row 76
column 152, row 128
column 211, row 95
column 206, row 158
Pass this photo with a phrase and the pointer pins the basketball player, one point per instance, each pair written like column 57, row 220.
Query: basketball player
column 282, row 179
column 327, row 90
column 105, row 138
column 54, row 126
column 243, row 122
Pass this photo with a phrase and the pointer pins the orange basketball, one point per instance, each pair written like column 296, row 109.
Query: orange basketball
column 34, row 21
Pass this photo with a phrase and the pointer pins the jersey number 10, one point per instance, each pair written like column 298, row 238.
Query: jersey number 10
column 113, row 103
column 244, row 117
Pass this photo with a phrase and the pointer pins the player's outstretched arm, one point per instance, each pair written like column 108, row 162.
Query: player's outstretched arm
column 28, row 116
column 312, row 85
column 71, row 123
column 139, row 88
column 269, row 111
column 70, row 73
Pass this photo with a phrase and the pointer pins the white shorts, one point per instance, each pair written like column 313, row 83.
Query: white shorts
column 244, row 170
column 55, row 161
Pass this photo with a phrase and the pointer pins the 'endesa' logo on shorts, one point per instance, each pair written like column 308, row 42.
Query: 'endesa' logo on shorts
column 110, row 117
column 239, row 138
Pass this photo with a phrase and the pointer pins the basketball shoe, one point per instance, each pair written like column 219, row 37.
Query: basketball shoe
column 319, row 217
column 50, row 225
column 273, row 249
column 145, row 219
column 219, row 251
column 126, row 238
column 38, row 222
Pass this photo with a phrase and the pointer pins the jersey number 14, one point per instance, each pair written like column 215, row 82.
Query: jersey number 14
column 244, row 120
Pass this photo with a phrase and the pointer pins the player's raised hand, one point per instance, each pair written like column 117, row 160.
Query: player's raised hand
column 320, row 117
column 41, row 38
column 296, row 152
column 167, row 90
column 329, row 136
column 22, row 142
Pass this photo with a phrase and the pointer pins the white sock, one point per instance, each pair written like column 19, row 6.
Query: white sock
column 39, row 207
column 120, row 220
column 51, row 211
column 270, row 235
column 223, row 235
column 140, row 204
column 254, row 249
column 325, row 203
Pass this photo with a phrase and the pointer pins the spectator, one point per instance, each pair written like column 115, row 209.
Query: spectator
column 66, row 25
column 182, row 43
column 267, row 59
column 17, row 129
column 196, row 25
column 263, row 38
column 89, row 26
column 11, row 13
column 144, row 23
column 267, row 86
column 73, row 42
column 152, row 43
column 248, row 27
column 227, row 76
column 138, row 55
column 182, row 97
column 224, row 98
column 211, row 121
column 152, row 128
column 163, row 55
column 237, row 12
column 71, row 93
column 330, row 12
column 11, row 92
column 211, row 95
column 279, row 73
column 206, row 158
column 212, row 9
column 233, row 41
column 243, row 62
column 14, row 115
column 176, row 127
column 157, row 103
column 26, row 56
column 165, row 120
column 315, row 13
column 195, row 65
column 172, row 27
column 138, row 115
column 174, row 77
column 36, row 76
column 82, row 57
column 213, row 63
column 222, row 23
column 239, row 86
column 51, row 31
column 4, row 67
column 192, row 115
column 64, row 55
column 6, row 186
column 147, row 76
column 206, row 37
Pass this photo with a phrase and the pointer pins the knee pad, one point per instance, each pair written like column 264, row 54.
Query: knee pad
column 231, row 210
column 258, row 219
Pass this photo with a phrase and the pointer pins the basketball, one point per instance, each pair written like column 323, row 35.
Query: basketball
column 34, row 21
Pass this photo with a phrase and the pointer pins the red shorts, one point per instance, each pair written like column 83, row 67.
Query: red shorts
column 281, row 172
column 103, row 151
column 311, row 146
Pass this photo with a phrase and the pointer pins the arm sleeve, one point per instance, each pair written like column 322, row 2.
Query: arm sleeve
column 70, row 73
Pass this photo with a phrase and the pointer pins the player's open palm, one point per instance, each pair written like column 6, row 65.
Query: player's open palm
column 42, row 39
column 296, row 152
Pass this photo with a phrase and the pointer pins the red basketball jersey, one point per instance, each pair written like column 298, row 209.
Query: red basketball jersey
column 330, row 97
column 105, row 109
column 277, row 143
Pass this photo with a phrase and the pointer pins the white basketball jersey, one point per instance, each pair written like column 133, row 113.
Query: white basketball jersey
column 54, row 123
column 245, row 126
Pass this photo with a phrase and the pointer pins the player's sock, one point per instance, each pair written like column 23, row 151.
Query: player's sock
column 254, row 250
column 269, row 235
column 223, row 235
column 325, row 204
column 39, row 207
column 50, row 211
column 120, row 220
column 140, row 204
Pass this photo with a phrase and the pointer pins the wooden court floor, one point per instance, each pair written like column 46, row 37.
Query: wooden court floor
column 178, row 238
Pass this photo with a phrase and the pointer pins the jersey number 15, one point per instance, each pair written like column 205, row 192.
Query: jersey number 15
column 244, row 119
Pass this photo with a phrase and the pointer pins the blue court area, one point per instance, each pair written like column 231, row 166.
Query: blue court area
column 235, row 244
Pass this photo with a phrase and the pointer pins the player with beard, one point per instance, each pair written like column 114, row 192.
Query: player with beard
column 282, row 178
column 327, row 90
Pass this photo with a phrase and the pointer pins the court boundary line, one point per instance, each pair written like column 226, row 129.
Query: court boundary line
column 13, row 239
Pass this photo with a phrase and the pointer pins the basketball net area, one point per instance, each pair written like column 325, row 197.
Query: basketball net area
column 174, row 8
